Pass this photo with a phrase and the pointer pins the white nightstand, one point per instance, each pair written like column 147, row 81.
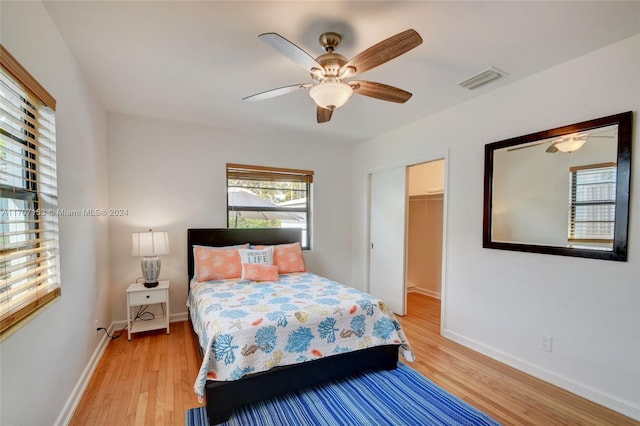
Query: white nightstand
column 137, row 295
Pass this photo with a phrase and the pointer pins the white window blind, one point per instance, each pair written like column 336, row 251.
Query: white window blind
column 269, row 197
column 593, row 203
column 29, row 271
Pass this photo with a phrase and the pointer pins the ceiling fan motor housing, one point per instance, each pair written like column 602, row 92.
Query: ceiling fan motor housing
column 331, row 63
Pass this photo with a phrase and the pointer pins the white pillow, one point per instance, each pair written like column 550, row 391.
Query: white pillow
column 264, row 256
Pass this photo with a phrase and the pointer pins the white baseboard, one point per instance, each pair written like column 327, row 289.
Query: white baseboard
column 76, row 395
column 623, row 406
column 424, row 291
column 182, row 316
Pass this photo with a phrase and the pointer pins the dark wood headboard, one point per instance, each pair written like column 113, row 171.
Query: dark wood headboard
column 218, row 237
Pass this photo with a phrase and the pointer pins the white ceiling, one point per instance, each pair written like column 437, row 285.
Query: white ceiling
column 195, row 61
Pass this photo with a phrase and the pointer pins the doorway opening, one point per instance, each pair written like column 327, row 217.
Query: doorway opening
column 425, row 221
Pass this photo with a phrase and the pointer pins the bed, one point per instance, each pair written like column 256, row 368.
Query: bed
column 226, row 386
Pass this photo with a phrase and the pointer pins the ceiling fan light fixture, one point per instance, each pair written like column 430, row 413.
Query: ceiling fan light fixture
column 570, row 145
column 331, row 94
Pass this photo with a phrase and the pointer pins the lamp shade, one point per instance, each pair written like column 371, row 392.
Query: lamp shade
column 331, row 94
column 150, row 243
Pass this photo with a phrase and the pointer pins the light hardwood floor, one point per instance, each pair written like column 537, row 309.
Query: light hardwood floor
column 149, row 380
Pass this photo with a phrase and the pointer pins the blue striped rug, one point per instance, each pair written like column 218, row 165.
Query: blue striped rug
column 398, row 397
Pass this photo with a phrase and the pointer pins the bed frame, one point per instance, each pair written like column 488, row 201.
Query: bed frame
column 223, row 397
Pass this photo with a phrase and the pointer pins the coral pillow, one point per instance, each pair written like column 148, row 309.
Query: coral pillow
column 288, row 258
column 259, row 272
column 217, row 264
column 195, row 274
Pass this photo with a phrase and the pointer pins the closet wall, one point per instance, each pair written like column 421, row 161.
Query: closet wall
column 424, row 234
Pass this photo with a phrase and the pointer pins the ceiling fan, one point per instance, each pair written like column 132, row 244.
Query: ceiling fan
column 330, row 71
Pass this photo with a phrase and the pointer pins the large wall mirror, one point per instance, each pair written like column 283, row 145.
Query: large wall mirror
column 561, row 191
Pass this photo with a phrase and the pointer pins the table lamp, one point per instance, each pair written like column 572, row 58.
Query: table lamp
column 150, row 245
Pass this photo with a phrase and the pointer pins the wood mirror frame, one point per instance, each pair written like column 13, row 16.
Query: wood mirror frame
column 618, row 250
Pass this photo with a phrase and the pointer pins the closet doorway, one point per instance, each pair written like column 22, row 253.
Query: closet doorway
column 425, row 221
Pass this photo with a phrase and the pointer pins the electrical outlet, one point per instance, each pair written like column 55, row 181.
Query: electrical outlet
column 546, row 343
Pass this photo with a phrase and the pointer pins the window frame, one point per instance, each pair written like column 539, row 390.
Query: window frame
column 273, row 174
column 29, row 254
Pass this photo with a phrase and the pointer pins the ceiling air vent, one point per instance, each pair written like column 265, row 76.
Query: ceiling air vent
column 482, row 78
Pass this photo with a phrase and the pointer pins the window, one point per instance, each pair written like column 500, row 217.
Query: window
column 29, row 271
column 593, row 203
column 267, row 197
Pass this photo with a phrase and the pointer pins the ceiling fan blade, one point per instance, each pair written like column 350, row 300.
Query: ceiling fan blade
column 382, row 52
column 380, row 91
column 276, row 92
column 552, row 148
column 527, row 146
column 323, row 115
column 291, row 51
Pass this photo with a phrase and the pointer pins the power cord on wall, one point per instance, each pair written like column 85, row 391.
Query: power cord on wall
column 114, row 336
column 141, row 315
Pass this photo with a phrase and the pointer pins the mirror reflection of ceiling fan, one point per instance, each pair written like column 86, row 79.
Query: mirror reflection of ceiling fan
column 330, row 88
column 567, row 143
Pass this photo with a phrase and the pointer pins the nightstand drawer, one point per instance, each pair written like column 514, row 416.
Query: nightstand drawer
column 147, row 297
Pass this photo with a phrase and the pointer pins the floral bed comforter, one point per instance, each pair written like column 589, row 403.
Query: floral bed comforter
column 247, row 327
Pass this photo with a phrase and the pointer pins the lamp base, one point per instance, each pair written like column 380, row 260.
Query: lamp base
column 150, row 270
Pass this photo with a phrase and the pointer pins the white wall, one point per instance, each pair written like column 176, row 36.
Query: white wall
column 44, row 360
column 502, row 302
column 171, row 176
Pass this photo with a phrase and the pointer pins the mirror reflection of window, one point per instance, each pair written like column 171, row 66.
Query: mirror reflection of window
column 592, row 205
